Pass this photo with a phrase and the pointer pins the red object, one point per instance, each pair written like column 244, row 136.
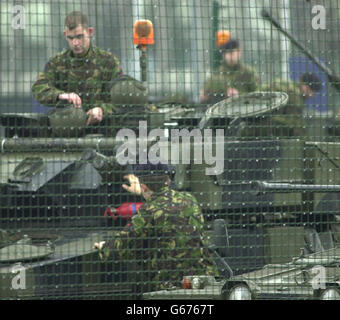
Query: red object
column 125, row 211
column 143, row 32
column 222, row 37
column 186, row 283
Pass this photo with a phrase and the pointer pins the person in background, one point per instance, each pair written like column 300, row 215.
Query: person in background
column 232, row 78
column 287, row 121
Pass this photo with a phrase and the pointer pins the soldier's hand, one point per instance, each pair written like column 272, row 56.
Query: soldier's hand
column 95, row 115
column 71, row 98
column 232, row 92
column 134, row 186
column 98, row 245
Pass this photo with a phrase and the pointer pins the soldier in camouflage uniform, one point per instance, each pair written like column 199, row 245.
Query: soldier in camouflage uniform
column 79, row 75
column 288, row 121
column 166, row 238
column 232, row 78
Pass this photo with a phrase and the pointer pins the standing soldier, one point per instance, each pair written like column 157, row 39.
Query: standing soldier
column 232, row 78
column 166, row 236
column 79, row 75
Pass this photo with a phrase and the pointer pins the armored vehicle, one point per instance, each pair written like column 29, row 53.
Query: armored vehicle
column 314, row 276
column 61, row 186
column 55, row 192
column 307, row 276
column 58, row 264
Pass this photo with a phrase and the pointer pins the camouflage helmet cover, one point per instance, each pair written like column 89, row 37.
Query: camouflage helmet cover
column 127, row 90
column 67, row 121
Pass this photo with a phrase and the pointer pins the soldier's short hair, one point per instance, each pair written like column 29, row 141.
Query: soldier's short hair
column 75, row 19
column 311, row 80
column 232, row 44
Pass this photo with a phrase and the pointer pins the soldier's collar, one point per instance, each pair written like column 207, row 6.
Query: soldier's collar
column 86, row 54
column 234, row 67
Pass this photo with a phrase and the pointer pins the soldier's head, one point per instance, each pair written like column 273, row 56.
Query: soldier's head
column 310, row 84
column 153, row 177
column 231, row 52
column 77, row 32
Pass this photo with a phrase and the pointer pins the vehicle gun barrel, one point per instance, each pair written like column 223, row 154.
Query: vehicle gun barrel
column 56, row 144
column 259, row 187
column 332, row 77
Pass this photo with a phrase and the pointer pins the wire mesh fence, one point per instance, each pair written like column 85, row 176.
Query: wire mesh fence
column 169, row 149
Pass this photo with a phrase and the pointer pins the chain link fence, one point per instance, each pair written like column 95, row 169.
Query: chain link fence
column 169, row 149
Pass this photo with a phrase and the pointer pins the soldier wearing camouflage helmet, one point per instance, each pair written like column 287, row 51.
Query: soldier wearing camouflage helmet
column 79, row 75
column 232, row 78
column 166, row 237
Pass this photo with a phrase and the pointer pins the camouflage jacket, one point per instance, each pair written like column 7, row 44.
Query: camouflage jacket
column 241, row 77
column 166, row 240
column 88, row 76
